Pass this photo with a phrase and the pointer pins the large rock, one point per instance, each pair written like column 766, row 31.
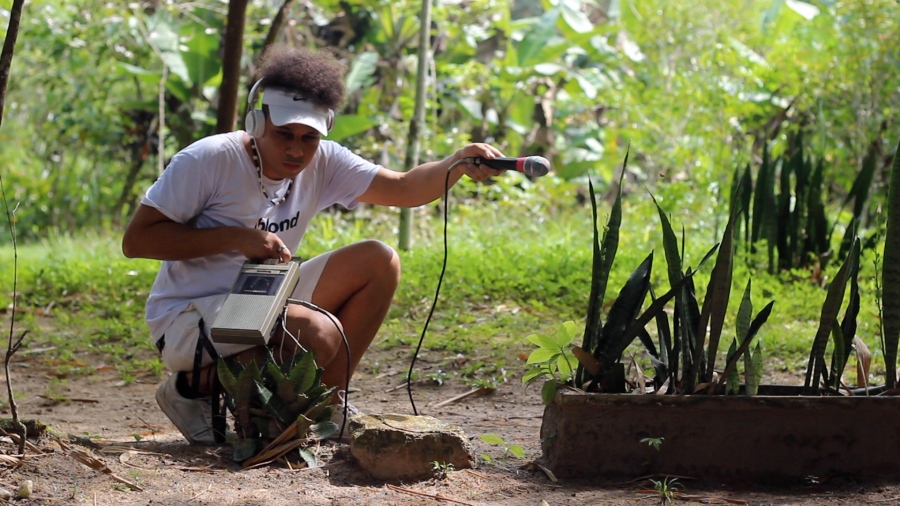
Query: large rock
column 403, row 447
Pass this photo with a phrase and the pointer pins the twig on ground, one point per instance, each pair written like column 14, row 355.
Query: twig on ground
column 92, row 462
column 546, row 471
column 471, row 393
column 72, row 399
column 439, row 497
column 398, row 387
column 890, row 499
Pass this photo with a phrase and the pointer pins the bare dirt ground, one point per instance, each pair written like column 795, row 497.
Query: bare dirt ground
column 139, row 458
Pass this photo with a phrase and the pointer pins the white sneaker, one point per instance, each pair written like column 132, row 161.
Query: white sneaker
column 337, row 416
column 193, row 417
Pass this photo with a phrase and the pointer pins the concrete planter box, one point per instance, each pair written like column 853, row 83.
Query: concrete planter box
column 773, row 437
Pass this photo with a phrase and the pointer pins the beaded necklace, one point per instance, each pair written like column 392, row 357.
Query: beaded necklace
column 257, row 162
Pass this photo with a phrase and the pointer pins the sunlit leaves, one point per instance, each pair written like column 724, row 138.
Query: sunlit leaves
column 553, row 357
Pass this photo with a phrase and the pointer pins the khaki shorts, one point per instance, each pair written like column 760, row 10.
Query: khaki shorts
column 181, row 337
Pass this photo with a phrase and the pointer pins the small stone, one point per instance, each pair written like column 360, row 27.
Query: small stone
column 5, row 495
column 25, row 489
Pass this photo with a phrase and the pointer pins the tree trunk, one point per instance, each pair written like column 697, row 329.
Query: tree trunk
column 277, row 24
column 418, row 120
column 9, row 45
column 231, row 66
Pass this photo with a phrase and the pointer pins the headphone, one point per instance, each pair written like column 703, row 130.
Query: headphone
column 255, row 120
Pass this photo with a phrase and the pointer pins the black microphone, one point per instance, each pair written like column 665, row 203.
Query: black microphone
column 535, row 166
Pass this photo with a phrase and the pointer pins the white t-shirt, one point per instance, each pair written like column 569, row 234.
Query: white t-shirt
column 213, row 183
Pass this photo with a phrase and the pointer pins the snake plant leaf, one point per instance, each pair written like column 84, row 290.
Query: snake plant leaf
column 299, row 404
column 226, row 376
column 284, row 389
column 659, row 366
column 818, row 238
column 784, row 202
column 303, row 426
column 801, row 169
column 320, row 406
column 848, row 325
column 604, row 253
column 890, row 276
column 745, row 313
column 685, row 331
column 838, row 358
column 664, row 333
column 324, row 430
column 764, row 221
column 859, row 193
column 755, row 325
column 623, row 311
column 718, row 291
column 733, row 381
column 318, row 390
column 834, row 298
column 742, row 322
column 647, row 341
column 691, row 322
column 243, row 393
column 863, row 362
column 304, row 375
column 309, row 457
column 743, row 193
column 273, row 403
column 753, row 374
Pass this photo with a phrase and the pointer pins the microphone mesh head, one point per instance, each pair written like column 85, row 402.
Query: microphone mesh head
column 535, row 166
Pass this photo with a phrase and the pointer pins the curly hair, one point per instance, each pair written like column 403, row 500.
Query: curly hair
column 316, row 74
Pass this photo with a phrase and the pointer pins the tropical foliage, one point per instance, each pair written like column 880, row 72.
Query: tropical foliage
column 685, row 358
column 102, row 95
column 277, row 407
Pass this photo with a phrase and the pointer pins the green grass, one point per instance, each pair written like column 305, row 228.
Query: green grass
column 517, row 266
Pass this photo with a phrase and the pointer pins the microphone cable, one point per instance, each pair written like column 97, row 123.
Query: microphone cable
column 346, row 398
column 437, row 291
